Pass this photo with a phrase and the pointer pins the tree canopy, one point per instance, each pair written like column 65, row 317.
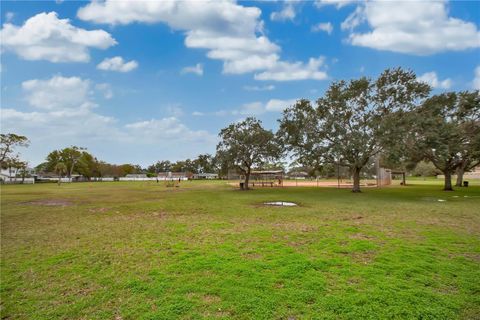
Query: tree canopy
column 447, row 132
column 353, row 122
column 247, row 144
column 8, row 143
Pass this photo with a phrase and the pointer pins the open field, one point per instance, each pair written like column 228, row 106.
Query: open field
column 128, row 250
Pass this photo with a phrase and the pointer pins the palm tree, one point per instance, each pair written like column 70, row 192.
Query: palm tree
column 60, row 169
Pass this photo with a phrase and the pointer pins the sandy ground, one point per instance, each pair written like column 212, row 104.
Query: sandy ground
column 313, row 183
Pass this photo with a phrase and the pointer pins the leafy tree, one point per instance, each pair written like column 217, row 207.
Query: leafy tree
column 447, row 132
column 425, row 169
column 184, row 166
column 88, row 165
column 14, row 165
column 354, row 122
column 127, row 168
column 68, row 156
column 247, row 144
column 160, row 166
column 8, row 142
column 206, row 163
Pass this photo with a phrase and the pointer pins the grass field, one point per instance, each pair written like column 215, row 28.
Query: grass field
column 130, row 250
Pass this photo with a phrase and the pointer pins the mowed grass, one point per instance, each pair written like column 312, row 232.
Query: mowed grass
column 133, row 250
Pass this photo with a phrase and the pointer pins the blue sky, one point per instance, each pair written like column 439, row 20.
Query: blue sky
column 141, row 81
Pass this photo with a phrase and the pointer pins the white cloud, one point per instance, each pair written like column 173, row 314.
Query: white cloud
column 432, row 80
column 412, row 27
column 198, row 114
column 476, row 80
column 288, row 12
column 117, row 64
column 230, row 32
column 252, row 108
column 260, row 88
column 63, row 115
column 167, row 129
column 257, row 108
column 275, row 105
column 58, row 93
column 45, row 37
column 326, row 27
column 196, row 69
column 338, row 3
column 285, row 71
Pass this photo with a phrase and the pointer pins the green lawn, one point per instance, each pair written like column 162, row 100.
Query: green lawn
column 130, row 250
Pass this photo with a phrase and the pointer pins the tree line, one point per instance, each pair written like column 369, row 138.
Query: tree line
column 392, row 119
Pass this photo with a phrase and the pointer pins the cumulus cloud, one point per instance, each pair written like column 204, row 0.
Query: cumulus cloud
column 46, row 37
column 431, row 79
column 117, row 64
column 257, row 108
column 338, row 3
column 196, row 69
column 325, row 27
column 230, row 32
column 412, row 27
column 66, row 105
column 58, row 93
column 169, row 128
column 275, row 105
column 288, row 12
column 476, row 79
column 251, row 108
column 286, row 71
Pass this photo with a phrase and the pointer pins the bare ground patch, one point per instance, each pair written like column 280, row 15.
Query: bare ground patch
column 50, row 202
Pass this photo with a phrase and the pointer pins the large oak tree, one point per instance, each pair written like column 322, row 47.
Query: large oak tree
column 447, row 132
column 247, row 144
column 353, row 122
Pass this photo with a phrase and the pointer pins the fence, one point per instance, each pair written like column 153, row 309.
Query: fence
column 18, row 181
column 153, row 179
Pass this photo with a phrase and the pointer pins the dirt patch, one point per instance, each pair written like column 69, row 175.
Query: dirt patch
column 252, row 256
column 360, row 236
column 363, row 257
column 50, row 203
column 209, row 299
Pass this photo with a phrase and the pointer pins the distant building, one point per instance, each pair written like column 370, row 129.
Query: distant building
column 174, row 175
column 9, row 176
column 136, row 176
column 205, row 176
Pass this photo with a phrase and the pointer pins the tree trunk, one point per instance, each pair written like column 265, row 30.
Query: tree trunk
column 460, row 172
column 356, row 180
column 448, row 181
column 71, row 171
column 247, row 179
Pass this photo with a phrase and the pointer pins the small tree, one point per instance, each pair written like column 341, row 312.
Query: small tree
column 354, row 122
column 447, row 131
column 246, row 144
column 60, row 169
column 8, row 142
